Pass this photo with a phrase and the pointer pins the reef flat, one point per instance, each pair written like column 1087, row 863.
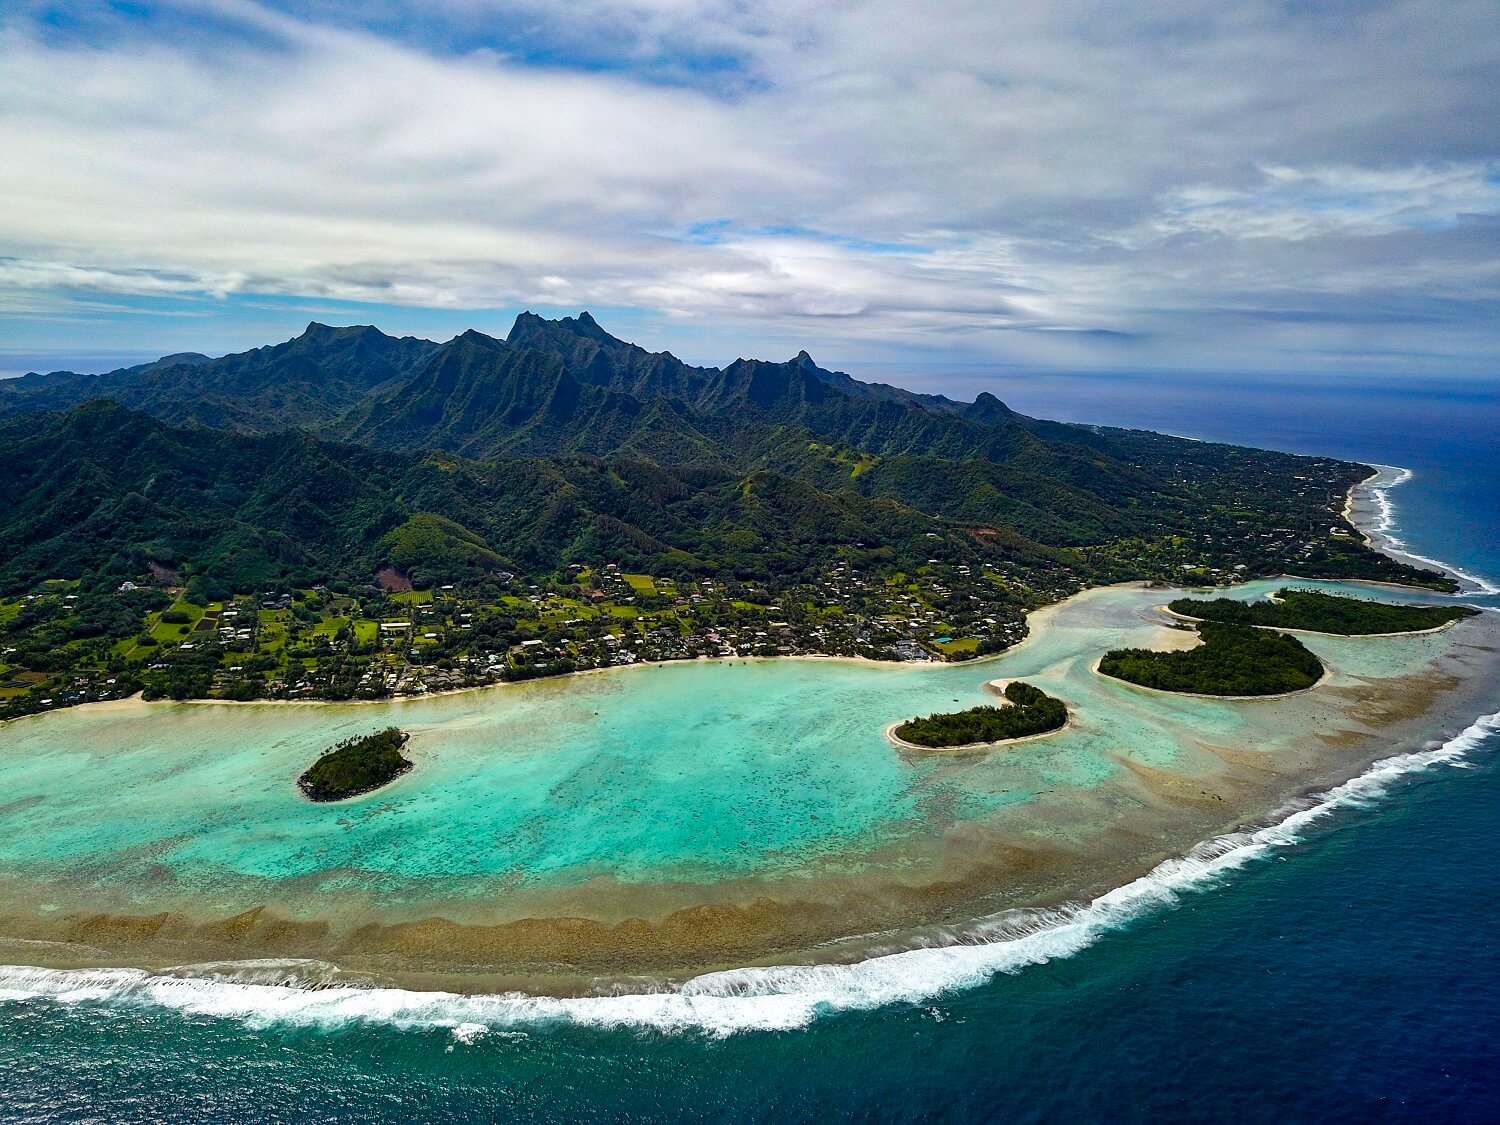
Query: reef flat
column 664, row 820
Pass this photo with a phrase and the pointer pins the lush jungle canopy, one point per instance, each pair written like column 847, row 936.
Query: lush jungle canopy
column 1232, row 660
column 1029, row 711
column 1318, row 612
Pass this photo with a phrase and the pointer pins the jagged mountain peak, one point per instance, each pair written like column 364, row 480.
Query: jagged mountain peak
column 531, row 330
column 317, row 330
column 474, row 337
column 524, row 322
column 551, row 385
column 987, row 408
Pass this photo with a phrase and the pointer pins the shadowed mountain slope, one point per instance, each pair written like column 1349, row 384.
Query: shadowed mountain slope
column 339, row 450
column 306, row 382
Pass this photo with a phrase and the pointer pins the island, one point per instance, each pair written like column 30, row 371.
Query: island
column 193, row 531
column 1029, row 712
column 1233, row 660
column 356, row 766
column 1314, row 612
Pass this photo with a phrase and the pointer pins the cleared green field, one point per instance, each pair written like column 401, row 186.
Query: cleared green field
column 640, row 583
column 413, row 597
column 271, row 637
column 173, row 632
column 959, row 644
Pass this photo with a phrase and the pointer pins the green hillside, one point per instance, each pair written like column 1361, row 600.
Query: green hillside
column 345, row 450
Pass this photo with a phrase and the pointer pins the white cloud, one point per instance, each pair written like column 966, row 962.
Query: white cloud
column 1158, row 171
column 1294, row 204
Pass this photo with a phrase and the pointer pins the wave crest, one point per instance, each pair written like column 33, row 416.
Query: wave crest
column 1385, row 523
column 313, row 994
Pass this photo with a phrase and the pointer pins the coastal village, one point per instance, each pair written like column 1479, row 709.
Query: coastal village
column 62, row 643
column 326, row 643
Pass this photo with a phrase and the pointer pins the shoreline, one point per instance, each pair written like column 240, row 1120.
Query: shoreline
column 1164, row 610
column 1377, row 532
column 1348, row 512
column 1373, row 537
column 137, row 699
column 1319, row 682
column 748, row 922
column 1037, row 615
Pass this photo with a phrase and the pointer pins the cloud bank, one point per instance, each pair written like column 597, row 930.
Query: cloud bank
column 1254, row 185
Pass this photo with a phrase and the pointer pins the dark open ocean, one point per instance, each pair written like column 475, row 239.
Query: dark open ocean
column 1351, row 976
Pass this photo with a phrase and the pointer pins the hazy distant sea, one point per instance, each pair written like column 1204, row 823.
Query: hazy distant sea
column 1354, row 976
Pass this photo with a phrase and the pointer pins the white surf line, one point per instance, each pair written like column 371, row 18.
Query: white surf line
column 1386, row 522
column 738, row 1000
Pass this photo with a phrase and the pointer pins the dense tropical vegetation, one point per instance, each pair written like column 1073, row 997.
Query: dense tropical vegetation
column 1030, row 711
column 569, row 501
column 1317, row 612
column 1232, row 660
column 356, row 765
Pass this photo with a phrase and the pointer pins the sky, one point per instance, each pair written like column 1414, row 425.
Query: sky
column 1218, row 186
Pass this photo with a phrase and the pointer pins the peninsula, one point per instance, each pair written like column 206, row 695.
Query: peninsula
column 348, row 515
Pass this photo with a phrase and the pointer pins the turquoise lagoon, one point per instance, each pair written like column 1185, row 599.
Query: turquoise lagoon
column 634, row 792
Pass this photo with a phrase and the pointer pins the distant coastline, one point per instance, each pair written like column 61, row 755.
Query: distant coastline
column 1369, row 509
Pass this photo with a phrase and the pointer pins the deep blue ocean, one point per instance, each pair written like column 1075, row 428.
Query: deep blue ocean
column 1352, row 976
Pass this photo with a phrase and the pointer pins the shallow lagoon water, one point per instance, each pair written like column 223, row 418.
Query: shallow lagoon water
column 634, row 792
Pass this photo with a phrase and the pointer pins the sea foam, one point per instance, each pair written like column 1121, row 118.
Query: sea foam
column 308, row 994
column 1385, row 523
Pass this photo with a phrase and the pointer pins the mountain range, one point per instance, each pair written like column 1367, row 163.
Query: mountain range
column 345, row 450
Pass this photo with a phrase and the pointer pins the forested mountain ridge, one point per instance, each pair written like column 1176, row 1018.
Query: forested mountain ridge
column 549, row 387
column 307, row 382
column 105, row 489
column 350, row 514
column 311, row 459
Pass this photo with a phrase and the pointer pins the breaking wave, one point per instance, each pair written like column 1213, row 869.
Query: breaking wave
column 315, row 995
column 1382, row 531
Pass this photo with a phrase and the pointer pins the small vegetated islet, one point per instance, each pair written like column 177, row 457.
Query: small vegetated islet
column 1232, row 660
column 1318, row 612
column 1029, row 711
column 356, row 765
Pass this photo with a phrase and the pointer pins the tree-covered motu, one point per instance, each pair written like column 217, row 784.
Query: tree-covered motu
column 356, row 765
column 1232, row 660
column 1029, row 711
column 1316, row 612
